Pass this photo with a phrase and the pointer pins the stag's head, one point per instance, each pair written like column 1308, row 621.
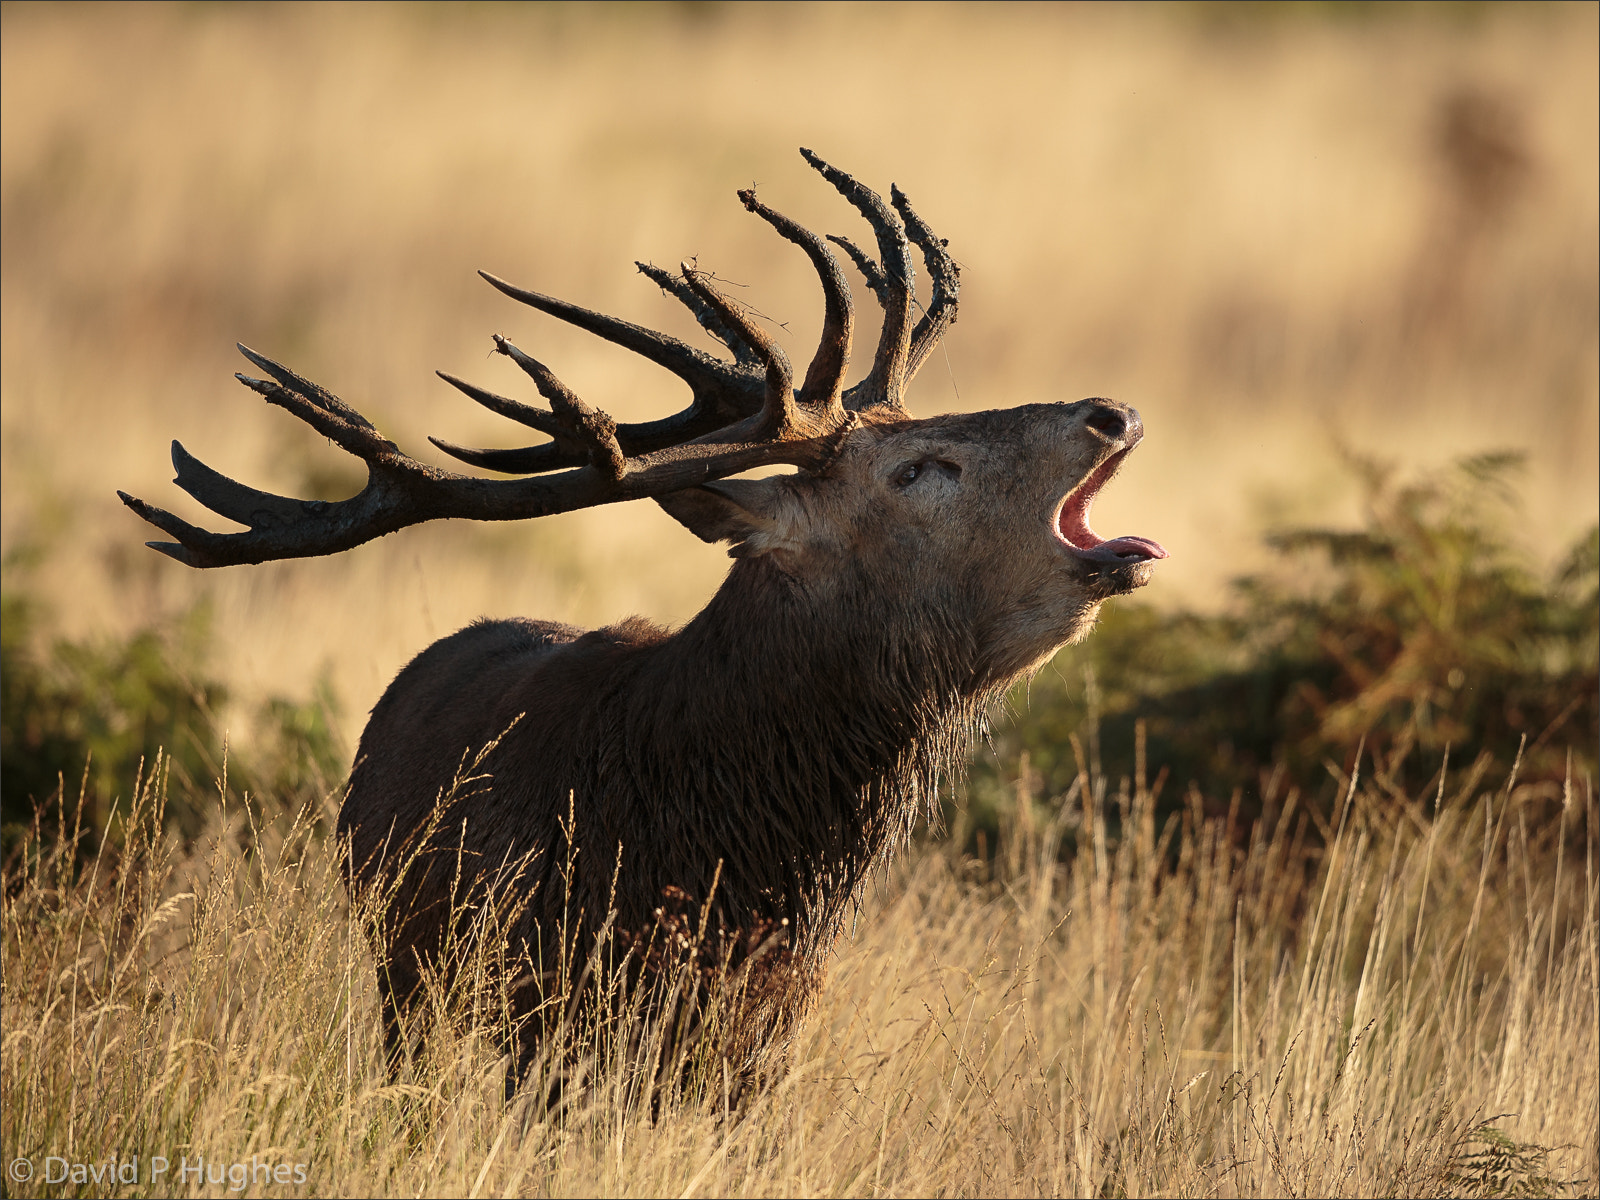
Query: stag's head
column 984, row 515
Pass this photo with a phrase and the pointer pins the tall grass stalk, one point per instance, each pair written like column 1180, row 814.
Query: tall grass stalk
column 1193, row 1009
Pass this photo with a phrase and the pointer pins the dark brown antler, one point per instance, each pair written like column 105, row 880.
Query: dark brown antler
column 744, row 413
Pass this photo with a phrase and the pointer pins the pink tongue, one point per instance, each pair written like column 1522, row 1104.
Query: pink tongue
column 1132, row 547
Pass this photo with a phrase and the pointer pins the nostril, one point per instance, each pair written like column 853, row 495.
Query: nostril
column 1106, row 421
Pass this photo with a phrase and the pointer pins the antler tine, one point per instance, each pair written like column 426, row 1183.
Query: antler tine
column 168, row 523
column 674, row 286
column 779, row 413
column 318, row 396
column 825, row 375
column 712, row 380
column 588, row 426
column 525, row 460
column 886, row 382
column 866, row 264
column 520, row 460
column 946, row 276
column 228, row 497
column 581, row 434
column 317, row 407
column 523, row 414
column 224, row 496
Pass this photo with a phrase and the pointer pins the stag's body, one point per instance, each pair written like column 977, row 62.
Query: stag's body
column 688, row 768
column 745, row 774
column 763, row 759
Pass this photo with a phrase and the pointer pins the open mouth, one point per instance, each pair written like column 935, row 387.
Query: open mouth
column 1072, row 523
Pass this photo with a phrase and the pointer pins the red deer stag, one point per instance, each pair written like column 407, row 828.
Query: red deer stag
column 752, row 768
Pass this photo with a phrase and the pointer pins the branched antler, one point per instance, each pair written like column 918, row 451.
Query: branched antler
column 743, row 414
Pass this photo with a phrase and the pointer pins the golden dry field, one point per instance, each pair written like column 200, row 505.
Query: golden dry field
column 1411, row 1013
column 1280, row 231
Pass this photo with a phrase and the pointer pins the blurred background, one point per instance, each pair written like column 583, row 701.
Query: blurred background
column 1294, row 236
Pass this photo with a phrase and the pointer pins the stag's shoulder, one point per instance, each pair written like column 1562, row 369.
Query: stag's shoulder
column 493, row 657
column 487, row 641
column 466, row 655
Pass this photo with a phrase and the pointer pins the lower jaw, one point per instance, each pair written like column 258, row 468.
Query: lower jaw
column 1115, row 579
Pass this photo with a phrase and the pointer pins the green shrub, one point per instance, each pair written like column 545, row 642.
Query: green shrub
column 1422, row 629
column 78, row 718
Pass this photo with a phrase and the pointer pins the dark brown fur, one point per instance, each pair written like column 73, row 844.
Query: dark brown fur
column 771, row 753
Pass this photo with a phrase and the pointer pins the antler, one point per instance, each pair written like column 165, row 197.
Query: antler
column 744, row 413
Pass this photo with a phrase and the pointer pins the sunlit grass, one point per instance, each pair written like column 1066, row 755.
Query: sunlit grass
column 1187, row 1010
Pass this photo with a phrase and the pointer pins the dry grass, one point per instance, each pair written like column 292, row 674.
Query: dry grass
column 1180, row 1012
column 1242, row 225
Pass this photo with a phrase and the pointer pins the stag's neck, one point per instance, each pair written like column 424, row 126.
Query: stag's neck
column 834, row 668
column 827, row 723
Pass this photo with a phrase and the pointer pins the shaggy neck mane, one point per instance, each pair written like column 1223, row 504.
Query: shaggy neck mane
column 803, row 734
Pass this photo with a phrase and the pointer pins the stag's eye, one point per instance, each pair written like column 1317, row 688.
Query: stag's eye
column 908, row 474
column 911, row 472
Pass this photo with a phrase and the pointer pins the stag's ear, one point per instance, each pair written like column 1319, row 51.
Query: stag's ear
column 750, row 513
